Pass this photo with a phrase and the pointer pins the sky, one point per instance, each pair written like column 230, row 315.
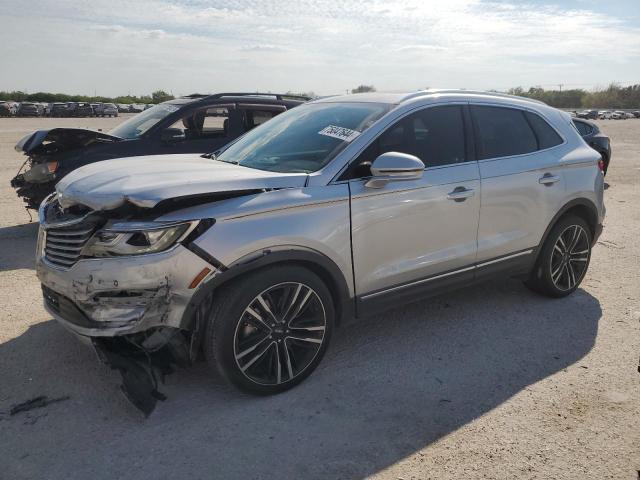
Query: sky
column 118, row 47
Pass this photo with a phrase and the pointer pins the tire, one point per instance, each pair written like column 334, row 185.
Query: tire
column 269, row 330
column 563, row 260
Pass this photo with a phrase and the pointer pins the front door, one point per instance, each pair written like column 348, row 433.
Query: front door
column 408, row 233
column 206, row 130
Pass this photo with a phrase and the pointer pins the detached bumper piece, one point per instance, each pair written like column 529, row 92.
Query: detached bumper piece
column 143, row 362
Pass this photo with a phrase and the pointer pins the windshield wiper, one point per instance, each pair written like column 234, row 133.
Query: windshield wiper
column 214, row 156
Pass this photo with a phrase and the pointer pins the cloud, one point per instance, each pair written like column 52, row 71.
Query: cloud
column 262, row 48
column 321, row 45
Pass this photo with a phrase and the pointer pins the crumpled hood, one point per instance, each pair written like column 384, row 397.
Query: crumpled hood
column 146, row 181
column 65, row 138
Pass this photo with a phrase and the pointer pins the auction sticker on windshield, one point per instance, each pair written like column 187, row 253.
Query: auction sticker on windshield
column 342, row 133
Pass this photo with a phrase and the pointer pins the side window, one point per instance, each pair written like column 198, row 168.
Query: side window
column 215, row 122
column 435, row 135
column 546, row 135
column 209, row 122
column 258, row 117
column 502, row 132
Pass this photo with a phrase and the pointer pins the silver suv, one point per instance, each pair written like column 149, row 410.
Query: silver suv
column 338, row 208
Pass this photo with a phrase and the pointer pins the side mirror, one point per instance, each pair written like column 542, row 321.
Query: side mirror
column 393, row 166
column 173, row 135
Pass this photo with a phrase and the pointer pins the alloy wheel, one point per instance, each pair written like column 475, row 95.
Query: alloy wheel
column 279, row 333
column 570, row 257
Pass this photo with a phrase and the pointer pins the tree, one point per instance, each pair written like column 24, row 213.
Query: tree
column 364, row 89
column 160, row 96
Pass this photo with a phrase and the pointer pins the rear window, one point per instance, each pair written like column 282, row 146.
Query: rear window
column 546, row 135
column 502, row 132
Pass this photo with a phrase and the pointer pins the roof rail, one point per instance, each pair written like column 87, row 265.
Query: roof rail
column 278, row 96
column 473, row 92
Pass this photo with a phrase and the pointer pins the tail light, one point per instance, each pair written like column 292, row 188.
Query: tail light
column 601, row 165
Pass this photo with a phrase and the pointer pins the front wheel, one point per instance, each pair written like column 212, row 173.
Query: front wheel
column 563, row 260
column 268, row 331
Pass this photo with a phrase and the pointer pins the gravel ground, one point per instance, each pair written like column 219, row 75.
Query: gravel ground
column 488, row 382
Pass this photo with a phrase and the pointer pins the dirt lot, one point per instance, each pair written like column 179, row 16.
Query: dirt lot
column 490, row 382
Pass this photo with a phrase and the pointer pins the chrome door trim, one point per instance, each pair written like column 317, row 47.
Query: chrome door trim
column 508, row 257
column 444, row 275
column 417, row 282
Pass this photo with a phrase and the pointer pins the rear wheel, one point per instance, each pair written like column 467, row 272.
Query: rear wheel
column 269, row 331
column 563, row 260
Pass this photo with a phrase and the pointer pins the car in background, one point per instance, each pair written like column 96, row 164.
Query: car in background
column 136, row 108
column 80, row 109
column 30, row 109
column 591, row 134
column 605, row 114
column 58, row 109
column 106, row 110
column 192, row 124
column 123, row 107
column 7, row 109
column 588, row 114
column 636, row 113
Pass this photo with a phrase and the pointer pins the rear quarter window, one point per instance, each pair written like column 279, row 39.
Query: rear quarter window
column 583, row 128
column 546, row 135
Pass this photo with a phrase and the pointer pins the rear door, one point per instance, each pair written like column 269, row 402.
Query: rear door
column 408, row 232
column 522, row 182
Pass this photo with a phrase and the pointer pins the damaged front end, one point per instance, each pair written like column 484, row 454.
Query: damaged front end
column 45, row 150
column 124, row 283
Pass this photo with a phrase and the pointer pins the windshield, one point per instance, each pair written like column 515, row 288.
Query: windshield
column 303, row 139
column 136, row 126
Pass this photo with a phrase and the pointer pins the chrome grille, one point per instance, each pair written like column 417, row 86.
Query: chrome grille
column 64, row 245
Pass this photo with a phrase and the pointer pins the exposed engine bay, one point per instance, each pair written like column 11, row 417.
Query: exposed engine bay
column 44, row 149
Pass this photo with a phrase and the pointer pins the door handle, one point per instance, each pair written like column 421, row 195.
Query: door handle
column 548, row 179
column 460, row 194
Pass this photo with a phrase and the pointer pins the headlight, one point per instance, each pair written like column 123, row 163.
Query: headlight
column 136, row 238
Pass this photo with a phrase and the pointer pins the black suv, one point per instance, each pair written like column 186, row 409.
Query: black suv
column 192, row 124
column 596, row 140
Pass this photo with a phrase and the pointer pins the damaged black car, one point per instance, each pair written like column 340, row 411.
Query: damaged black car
column 192, row 124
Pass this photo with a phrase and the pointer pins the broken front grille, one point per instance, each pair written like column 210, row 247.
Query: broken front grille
column 63, row 246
